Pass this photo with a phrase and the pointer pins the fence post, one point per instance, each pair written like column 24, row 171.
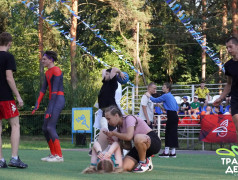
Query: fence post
column 133, row 100
column 127, row 92
column 192, row 93
column 158, row 125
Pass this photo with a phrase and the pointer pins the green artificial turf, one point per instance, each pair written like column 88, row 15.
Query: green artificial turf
column 184, row 167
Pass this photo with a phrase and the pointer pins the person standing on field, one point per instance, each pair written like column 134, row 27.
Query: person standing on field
column 231, row 71
column 8, row 108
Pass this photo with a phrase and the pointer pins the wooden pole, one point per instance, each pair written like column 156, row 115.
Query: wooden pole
column 40, row 37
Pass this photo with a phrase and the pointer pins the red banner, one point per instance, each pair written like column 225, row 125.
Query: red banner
column 217, row 129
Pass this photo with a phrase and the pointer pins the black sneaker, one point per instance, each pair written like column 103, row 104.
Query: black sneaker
column 163, row 155
column 3, row 164
column 172, row 155
column 17, row 163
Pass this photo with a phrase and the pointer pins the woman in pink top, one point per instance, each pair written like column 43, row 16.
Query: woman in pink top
column 133, row 128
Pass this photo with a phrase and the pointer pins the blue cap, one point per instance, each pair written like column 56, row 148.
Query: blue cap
column 185, row 97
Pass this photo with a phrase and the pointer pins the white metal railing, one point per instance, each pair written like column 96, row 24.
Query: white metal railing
column 131, row 101
column 184, row 130
column 181, row 126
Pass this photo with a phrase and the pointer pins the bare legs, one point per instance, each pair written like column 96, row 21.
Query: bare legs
column 102, row 145
column 15, row 136
column 142, row 143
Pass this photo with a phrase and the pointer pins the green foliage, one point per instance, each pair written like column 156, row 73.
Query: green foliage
column 167, row 51
column 22, row 26
column 171, row 39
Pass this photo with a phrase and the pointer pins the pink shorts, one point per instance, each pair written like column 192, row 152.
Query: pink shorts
column 8, row 109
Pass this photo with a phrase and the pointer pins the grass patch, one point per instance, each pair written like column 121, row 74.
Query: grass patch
column 39, row 143
column 185, row 166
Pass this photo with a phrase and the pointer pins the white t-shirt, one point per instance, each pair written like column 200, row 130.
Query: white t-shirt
column 145, row 101
column 118, row 96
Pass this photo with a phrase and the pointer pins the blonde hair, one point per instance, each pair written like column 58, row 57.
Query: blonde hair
column 105, row 166
column 113, row 110
column 89, row 170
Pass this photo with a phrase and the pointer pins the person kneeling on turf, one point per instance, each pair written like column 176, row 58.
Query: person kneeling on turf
column 134, row 128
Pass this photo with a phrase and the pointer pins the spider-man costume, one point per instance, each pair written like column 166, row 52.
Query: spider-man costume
column 53, row 79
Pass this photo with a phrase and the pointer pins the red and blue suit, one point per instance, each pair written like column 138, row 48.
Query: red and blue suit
column 53, row 80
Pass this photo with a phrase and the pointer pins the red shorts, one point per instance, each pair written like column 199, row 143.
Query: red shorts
column 8, row 109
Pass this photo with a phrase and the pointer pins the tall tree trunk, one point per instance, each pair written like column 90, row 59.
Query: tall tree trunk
column 138, row 52
column 225, row 31
column 204, row 24
column 40, row 36
column 135, row 57
column 170, row 65
column 234, row 18
column 73, row 30
column 224, row 17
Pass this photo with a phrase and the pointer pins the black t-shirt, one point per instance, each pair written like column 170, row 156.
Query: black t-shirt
column 231, row 69
column 106, row 95
column 185, row 104
column 7, row 62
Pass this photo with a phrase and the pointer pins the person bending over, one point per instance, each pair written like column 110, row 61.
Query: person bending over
column 146, row 141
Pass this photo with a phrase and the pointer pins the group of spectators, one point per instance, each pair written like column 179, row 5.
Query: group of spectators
column 199, row 106
column 195, row 108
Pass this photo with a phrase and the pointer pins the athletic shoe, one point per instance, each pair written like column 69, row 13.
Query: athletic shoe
column 163, row 155
column 48, row 157
column 141, row 167
column 172, row 155
column 17, row 163
column 3, row 164
column 149, row 161
column 56, row 158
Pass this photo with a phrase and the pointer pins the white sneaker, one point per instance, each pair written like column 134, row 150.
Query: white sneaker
column 141, row 168
column 56, row 158
column 150, row 164
column 48, row 157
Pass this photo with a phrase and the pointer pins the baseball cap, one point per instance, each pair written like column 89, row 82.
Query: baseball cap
column 185, row 97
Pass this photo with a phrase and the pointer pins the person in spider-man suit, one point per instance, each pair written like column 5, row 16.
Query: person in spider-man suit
column 53, row 80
